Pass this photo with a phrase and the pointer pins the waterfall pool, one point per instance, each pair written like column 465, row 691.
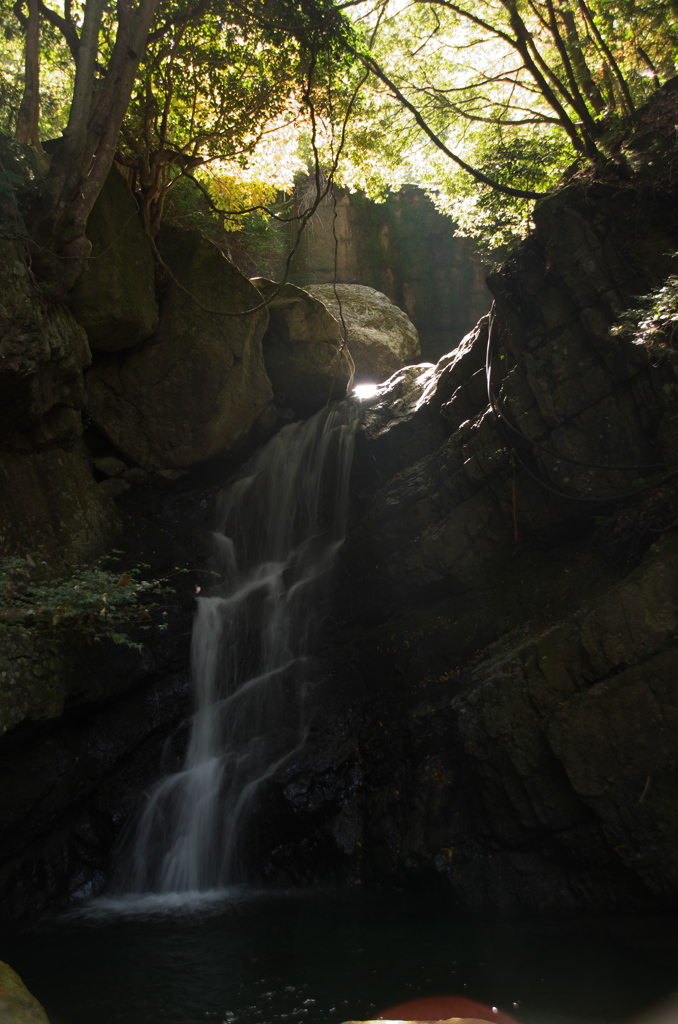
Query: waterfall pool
column 246, row 956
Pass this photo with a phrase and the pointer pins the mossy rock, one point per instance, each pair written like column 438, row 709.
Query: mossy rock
column 37, row 674
column 380, row 337
column 305, row 359
column 17, row 1005
column 49, row 502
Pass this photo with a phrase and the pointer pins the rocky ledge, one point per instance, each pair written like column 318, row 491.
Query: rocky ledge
column 501, row 691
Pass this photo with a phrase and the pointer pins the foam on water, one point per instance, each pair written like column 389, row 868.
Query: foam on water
column 158, row 905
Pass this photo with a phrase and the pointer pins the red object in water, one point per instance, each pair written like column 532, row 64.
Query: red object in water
column 443, row 1007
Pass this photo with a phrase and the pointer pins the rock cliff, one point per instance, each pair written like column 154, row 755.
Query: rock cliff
column 501, row 697
column 113, row 409
column 404, row 248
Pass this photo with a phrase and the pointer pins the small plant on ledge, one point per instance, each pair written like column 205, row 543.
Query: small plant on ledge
column 654, row 323
column 93, row 601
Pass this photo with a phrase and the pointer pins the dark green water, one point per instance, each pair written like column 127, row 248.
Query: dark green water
column 249, row 957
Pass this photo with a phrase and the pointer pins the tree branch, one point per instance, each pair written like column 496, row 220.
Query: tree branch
column 64, row 25
column 588, row 14
column 374, row 68
column 195, row 14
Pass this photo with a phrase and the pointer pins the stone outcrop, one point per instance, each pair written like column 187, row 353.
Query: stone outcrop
column 192, row 391
column 49, row 502
column 17, row 1005
column 380, row 337
column 43, row 351
column 114, row 300
column 404, row 248
column 501, row 692
column 48, row 499
column 305, row 359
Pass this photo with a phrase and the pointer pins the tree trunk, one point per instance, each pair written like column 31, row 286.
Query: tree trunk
column 581, row 68
column 85, row 155
column 29, row 111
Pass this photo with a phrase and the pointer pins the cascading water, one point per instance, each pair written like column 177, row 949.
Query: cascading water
column 280, row 525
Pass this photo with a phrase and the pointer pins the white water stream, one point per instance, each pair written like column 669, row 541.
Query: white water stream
column 280, row 525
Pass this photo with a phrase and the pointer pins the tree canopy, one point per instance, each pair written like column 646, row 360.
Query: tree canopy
column 163, row 88
column 485, row 104
column 483, row 101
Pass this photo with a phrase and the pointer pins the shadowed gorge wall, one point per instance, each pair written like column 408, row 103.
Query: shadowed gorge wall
column 407, row 250
column 496, row 695
column 500, row 691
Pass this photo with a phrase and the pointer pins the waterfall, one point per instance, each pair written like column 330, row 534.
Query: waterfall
column 280, row 524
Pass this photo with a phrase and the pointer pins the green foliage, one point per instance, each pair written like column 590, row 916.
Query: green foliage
column 93, row 601
column 519, row 90
column 56, row 75
column 215, row 80
column 533, row 160
column 258, row 248
column 206, row 92
column 654, row 323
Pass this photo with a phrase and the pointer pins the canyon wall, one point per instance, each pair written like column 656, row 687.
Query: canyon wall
column 404, row 248
column 497, row 705
column 500, row 699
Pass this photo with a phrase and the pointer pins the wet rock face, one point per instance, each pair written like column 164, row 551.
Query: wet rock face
column 501, row 697
column 380, row 337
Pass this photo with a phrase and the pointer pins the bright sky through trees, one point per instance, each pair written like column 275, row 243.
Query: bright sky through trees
column 486, row 104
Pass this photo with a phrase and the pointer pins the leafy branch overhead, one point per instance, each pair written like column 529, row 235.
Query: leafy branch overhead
column 487, row 105
column 518, row 92
column 654, row 322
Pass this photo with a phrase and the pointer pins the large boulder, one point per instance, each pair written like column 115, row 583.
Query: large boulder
column 193, row 391
column 381, row 338
column 17, row 1005
column 305, row 359
column 114, row 299
column 43, row 353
